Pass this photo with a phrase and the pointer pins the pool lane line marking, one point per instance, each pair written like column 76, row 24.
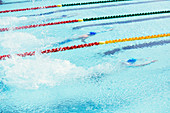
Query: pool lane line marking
column 84, row 20
column 137, row 46
column 39, row 25
column 86, row 45
column 93, row 7
column 60, row 5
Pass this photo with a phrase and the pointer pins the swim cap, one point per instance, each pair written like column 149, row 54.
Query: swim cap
column 92, row 33
column 132, row 60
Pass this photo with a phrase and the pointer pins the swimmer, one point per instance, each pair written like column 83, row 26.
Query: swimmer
column 133, row 62
column 43, row 20
column 82, row 37
column 60, row 17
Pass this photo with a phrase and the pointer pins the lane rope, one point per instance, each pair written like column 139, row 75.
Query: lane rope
column 37, row 25
column 121, row 22
column 94, row 7
column 83, row 20
column 60, row 5
column 86, row 45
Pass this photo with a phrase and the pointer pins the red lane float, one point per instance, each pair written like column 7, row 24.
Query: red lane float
column 37, row 25
column 25, row 9
column 51, row 50
column 85, row 20
column 61, row 5
column 88, row 45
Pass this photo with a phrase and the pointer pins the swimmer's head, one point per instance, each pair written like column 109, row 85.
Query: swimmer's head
column 92, row 33
column 132, row 60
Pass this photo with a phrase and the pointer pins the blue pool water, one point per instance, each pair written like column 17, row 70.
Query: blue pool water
column 88, row 80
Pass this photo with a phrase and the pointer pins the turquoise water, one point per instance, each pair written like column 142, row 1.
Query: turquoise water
column 88, row 80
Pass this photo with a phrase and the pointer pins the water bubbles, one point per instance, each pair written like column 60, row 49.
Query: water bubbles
column 33, row 73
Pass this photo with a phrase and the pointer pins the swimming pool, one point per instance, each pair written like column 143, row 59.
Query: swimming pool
column 92, row 79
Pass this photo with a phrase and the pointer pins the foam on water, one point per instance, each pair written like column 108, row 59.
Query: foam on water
column 17, row 42
column 45, row 84
column 52, row 85
column 41, row 71
column 11, row 20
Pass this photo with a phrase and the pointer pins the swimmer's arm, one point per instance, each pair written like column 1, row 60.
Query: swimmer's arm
column 74, row 36
column 145, row 63
column 62, row 42
column 104, row 30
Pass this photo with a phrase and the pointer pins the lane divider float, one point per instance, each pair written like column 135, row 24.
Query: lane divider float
column 86, row 45
column 83, row 20
column 60, row 5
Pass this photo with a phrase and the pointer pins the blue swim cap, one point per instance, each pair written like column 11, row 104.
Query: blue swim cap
column 132, row 60
column 92, row 33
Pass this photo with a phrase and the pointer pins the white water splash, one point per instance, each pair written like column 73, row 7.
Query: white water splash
column 19, row 41
column 11, row 20
column 33, row 73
